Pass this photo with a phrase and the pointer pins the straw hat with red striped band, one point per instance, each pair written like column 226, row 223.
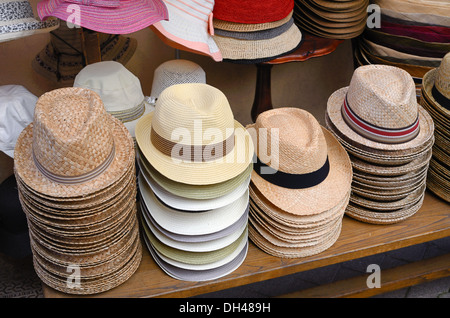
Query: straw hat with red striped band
column 379, row 110
column 106, row 16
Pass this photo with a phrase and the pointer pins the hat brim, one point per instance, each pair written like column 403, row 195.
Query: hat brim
column 29, row 174
column 192, row 223
column 196, row 173
column 31, row 28
column 131, row 125
column 334, row 105
column 186, row 204
column 317, row 199
column 427, row 84
column 128, row 17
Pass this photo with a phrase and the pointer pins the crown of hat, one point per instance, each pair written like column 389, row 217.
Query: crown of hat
column 118, row 88
column 383, row 96
column 442, row 81
column 301, row 146
column 71, row 132
column 177, row 71
column 195, row 108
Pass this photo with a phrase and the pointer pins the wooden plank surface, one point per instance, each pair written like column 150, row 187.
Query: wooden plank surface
column 357, row 239
column 391, row 279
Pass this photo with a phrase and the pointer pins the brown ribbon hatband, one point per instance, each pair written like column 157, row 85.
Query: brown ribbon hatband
column 192, row 153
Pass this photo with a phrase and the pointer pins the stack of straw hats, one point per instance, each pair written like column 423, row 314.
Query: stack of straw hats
column 298, row 193
column 119, row 89
column 75, row 171
column 256, row 32
column 389, row 138
column 413, row 35
column 62, row 58
column 334, row 19
column 436, row 100
column 195, row 164
column 17, row 20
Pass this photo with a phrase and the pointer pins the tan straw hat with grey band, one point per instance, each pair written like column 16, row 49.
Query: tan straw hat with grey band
column 73, row 147
column 192, row 137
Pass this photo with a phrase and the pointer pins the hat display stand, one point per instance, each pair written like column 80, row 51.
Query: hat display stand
column 195, row 227
column 389, row 176
column 82, row 219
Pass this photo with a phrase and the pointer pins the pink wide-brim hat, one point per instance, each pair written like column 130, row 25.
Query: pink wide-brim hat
column 106, row 16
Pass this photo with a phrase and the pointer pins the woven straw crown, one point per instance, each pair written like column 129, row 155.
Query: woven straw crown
column 195, row 107
column 442, row 81
column 176, row 72
column 302, row 147
column 383, row 96
column 72, row 133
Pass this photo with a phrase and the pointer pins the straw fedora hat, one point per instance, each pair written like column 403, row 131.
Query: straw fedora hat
column 311, row 164
column 17, row 21
column 113, row 17
column 379, row 110
column 194, row 113
column 178, row 71
column 436, row 87
column 189, row 27
column 16, row 110
column 119, row 89
column 62, row 58
column 73, row 147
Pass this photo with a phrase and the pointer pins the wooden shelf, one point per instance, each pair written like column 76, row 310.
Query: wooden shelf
column 357, row 239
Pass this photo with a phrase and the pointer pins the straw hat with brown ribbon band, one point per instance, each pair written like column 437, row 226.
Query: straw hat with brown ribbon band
column 192, row 137
column 308, row 166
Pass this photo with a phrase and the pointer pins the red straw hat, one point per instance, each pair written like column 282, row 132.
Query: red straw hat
column 106, row 16
column 252, row 11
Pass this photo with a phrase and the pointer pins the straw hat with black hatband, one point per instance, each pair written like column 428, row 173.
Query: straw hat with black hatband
column 299, row 194
column 191, row 137
column 378, row 118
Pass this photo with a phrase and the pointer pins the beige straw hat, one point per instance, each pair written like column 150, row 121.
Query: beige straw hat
column 73, row 148
column 313, row 171
column 176, row 138
column 379, row 110
column 436, row 87
column 249, row 27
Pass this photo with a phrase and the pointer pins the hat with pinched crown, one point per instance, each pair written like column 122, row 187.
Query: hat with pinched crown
column 192, row 137
column 73, row 147
column 379, row 110
column 305, row 171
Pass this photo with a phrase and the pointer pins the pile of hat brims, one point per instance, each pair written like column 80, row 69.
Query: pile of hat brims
column 84, row 237
column 194, row 232
column 438, row 179
column 389, row 180
column 412, row 35
column 299, row 222
column 244, row 40
column 331, row 19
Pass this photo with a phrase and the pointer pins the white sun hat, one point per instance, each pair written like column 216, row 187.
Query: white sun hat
column 16, row 112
